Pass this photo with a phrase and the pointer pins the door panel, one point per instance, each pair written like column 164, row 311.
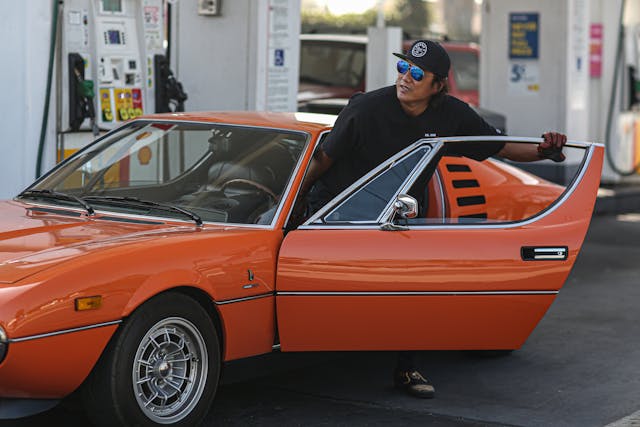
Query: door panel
column 453, row 322
column 429, row 287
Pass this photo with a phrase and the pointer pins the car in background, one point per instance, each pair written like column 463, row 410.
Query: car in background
column 135, row 269
column 333, row 67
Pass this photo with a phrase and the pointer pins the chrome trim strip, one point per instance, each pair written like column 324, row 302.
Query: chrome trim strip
column 516, row 139
column 548, row 257
column 251, row 298
column 275, row 347
column 415, row 293
column 351, row 226
column 64, row 331
column 553, row 208
column 546, row 250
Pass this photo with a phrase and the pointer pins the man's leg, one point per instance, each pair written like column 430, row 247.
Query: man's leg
column 407, row 377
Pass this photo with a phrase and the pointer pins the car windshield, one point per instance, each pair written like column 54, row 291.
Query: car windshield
column 332, row 64
column 465, row 69
column 220, row 173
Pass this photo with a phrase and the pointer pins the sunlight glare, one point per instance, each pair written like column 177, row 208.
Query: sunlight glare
column 340, row 7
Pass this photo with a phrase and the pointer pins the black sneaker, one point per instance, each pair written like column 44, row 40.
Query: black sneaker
column 414, row 384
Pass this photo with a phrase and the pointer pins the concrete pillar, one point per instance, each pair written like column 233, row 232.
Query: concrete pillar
column 26, row 30
column 381, row 63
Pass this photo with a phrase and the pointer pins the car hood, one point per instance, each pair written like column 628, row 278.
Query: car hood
column 35, row 238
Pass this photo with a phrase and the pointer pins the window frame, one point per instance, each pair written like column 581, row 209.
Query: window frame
column 319, row 217
column 413, row 173
column 437, row 144
column 88, row 150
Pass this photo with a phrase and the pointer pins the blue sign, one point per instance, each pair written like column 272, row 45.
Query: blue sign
column 279, row 57
column 524, row 31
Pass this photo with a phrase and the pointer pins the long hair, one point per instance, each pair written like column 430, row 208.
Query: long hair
column 437, row 99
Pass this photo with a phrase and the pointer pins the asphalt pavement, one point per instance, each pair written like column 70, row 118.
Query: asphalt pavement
column 615, row 199
column 579, row 367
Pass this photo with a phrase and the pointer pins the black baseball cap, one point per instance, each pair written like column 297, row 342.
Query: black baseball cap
column 429, row 56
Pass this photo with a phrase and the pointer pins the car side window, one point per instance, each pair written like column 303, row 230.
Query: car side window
column 366, row 204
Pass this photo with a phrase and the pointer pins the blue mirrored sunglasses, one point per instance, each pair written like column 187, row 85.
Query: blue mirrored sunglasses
column 416, row 73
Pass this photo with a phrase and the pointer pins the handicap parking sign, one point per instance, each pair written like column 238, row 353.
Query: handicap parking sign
column 279, row 57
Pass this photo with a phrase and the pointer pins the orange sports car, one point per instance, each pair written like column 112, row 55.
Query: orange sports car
column 137, row 267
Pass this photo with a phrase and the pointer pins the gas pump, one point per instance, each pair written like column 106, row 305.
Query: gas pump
column 623, row 155
column 108, row 67
column 169, row 93
column 632, row 67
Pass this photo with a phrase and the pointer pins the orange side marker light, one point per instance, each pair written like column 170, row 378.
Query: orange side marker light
column 88, row 303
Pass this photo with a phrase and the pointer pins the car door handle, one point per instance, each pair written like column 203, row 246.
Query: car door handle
column 546, row 253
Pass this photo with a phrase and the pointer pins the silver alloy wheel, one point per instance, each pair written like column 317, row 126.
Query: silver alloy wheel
column 170, row 370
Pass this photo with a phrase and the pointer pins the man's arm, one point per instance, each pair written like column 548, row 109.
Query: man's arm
column 553, row 141
column 319, row 165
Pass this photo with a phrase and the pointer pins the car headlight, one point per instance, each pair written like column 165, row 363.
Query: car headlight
column 3, row 344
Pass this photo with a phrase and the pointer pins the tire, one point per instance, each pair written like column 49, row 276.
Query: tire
column 161, row 368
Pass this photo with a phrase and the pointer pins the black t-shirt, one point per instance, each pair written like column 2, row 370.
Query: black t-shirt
column 373, row 127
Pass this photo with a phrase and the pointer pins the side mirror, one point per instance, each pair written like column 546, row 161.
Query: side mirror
column 405, row 206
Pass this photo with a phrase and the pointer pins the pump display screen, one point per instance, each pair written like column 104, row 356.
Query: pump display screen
column 112, row 5
column 113, row 37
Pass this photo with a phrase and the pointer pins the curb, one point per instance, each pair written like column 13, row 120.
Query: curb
column 617, row 200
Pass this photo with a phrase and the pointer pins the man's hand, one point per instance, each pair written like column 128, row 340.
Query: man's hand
column 551, row 147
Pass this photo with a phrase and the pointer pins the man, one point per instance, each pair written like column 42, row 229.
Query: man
column 378, row 124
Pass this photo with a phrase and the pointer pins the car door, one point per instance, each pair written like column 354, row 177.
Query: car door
column 477, row 269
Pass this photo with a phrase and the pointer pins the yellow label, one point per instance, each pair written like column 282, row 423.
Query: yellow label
column 124, row 102
column 105, row 105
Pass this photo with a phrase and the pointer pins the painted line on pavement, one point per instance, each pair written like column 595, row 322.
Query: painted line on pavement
column 632, row 420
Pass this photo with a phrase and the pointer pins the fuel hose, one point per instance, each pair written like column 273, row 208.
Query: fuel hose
column 45, row 114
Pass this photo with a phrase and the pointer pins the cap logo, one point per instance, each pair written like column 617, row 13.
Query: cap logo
column 419, row 49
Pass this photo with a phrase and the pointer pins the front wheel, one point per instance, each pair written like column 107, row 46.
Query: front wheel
column 162, row 367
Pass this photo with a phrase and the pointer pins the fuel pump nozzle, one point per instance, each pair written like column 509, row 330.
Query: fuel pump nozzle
column 81, row 96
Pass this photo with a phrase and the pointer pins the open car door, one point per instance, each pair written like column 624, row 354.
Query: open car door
column 474, row 266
